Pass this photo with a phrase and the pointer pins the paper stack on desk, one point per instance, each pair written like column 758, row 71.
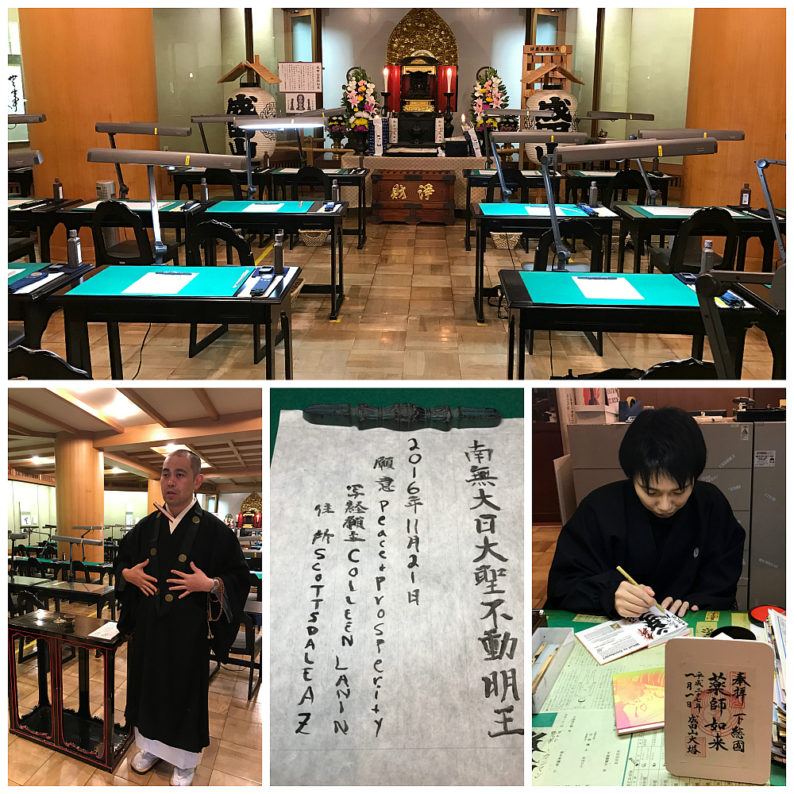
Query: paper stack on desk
column 616, row 638
column 776, row 636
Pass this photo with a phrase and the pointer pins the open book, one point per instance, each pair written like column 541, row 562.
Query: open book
column 615, row 638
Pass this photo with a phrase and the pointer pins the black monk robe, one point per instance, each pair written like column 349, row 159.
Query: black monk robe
column 696, row 555
column 168, row 655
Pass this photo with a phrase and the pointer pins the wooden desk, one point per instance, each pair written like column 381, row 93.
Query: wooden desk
column 516, row 218
column 111, row 305
column 670, row 308
column 98, row 741
column 99, row 594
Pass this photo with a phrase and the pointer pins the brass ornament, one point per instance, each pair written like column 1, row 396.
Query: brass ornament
column 153, row 552
column 422, row 29
column 182, row 558
column 196, row 520
column 169, row 598
column 426, row 191
column 252, row 503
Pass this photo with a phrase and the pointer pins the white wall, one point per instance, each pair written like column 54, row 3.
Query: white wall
column 117, row 503
column 485, row 37
column 188, row 65
column 38, row 500
column 580, row 31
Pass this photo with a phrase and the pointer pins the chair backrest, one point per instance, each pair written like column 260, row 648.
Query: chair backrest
column 618, row 187
column 222, row 176
column 309, row 176
column 581, row 230
column 713, row 221
column 41, row 364
column 117, row 215
column 78, row 566
column 514, row 179
column 208, row 233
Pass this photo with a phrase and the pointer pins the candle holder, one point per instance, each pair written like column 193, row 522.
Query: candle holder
column 448, row 115
column 385, row 95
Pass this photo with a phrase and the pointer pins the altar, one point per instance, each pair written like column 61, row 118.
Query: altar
column 447, row 165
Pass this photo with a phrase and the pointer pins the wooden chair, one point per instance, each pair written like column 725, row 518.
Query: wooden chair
column 117, row 215
column 21, row 246
column 683, row 256
column 580, row 230
column 41, row 364
column 248, row 644
column 200, row 248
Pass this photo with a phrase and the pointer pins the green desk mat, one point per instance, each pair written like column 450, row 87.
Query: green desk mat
column 680, row 213
column 560, row 619
column 162, row 205
column 329, row 171
column 27, row 269
column 657, row 289
column 287, row 207
column 506, row 208
column 211, row 282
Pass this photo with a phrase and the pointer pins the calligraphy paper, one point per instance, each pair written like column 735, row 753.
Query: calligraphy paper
column 717, row 698
column 396, row 606
column 160, row 284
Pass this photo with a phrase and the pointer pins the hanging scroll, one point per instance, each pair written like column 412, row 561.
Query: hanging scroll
column 396, row 605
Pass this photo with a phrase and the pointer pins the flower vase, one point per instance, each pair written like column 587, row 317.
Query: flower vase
column 358, row 141
column 336, row 139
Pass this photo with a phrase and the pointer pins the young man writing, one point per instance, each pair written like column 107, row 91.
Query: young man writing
column 676, row 536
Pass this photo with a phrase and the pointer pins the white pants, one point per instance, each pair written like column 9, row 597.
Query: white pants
column 175, row 756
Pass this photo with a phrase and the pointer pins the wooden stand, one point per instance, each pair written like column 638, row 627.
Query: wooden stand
column 413, row 197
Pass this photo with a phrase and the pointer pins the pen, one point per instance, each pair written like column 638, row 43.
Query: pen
column 631, row 581
column 537, row 679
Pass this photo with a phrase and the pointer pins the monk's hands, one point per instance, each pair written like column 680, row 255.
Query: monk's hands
column 633, row 600
column 677, row 606
column 196, row 582
column 146, row 583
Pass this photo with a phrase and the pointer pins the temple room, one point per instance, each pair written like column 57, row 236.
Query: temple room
column 90, row 470
column 396, row 193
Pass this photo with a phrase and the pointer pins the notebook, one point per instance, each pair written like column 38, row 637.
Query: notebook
column 639, row 700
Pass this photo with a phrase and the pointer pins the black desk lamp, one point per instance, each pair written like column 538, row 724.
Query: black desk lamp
column 112, row 128
column 156, row 158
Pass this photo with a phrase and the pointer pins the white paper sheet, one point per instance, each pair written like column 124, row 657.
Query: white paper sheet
column 106, row 632
column 610, row 288
column 664, row 212
column 13, row 272
column 37, row 284
column 431, row 696
column 16, row 202
column 263, row 208
column 135, row 206
column 289, row 170
column 542, row 211
column 160, row 284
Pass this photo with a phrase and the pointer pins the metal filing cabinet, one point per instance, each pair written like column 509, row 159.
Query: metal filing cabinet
column 729, row 466
column 768, row 539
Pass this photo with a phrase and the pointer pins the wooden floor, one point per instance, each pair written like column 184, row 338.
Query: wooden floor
column 233, row 758
column 544, row 542
column 408, row 314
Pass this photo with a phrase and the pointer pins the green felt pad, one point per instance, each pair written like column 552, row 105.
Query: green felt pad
column 26, row 268
column 210, row 282
column 678, row 213
column 286, row 208
column 657, row 289
column 563, row 210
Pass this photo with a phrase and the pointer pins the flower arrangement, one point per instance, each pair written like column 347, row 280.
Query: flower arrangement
column 360, row 98
column 489, row 92
column 336, row 125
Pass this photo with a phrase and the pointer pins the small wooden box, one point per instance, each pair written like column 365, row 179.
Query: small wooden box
column 413, row 197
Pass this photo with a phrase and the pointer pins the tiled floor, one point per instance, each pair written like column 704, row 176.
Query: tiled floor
column 233, row 758
column 408, row 314
column 544, row 541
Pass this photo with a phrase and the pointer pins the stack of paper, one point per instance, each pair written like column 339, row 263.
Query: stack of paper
column 776, row 635
column 616, row 638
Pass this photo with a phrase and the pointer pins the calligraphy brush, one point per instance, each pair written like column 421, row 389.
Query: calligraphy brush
column 630, row 580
